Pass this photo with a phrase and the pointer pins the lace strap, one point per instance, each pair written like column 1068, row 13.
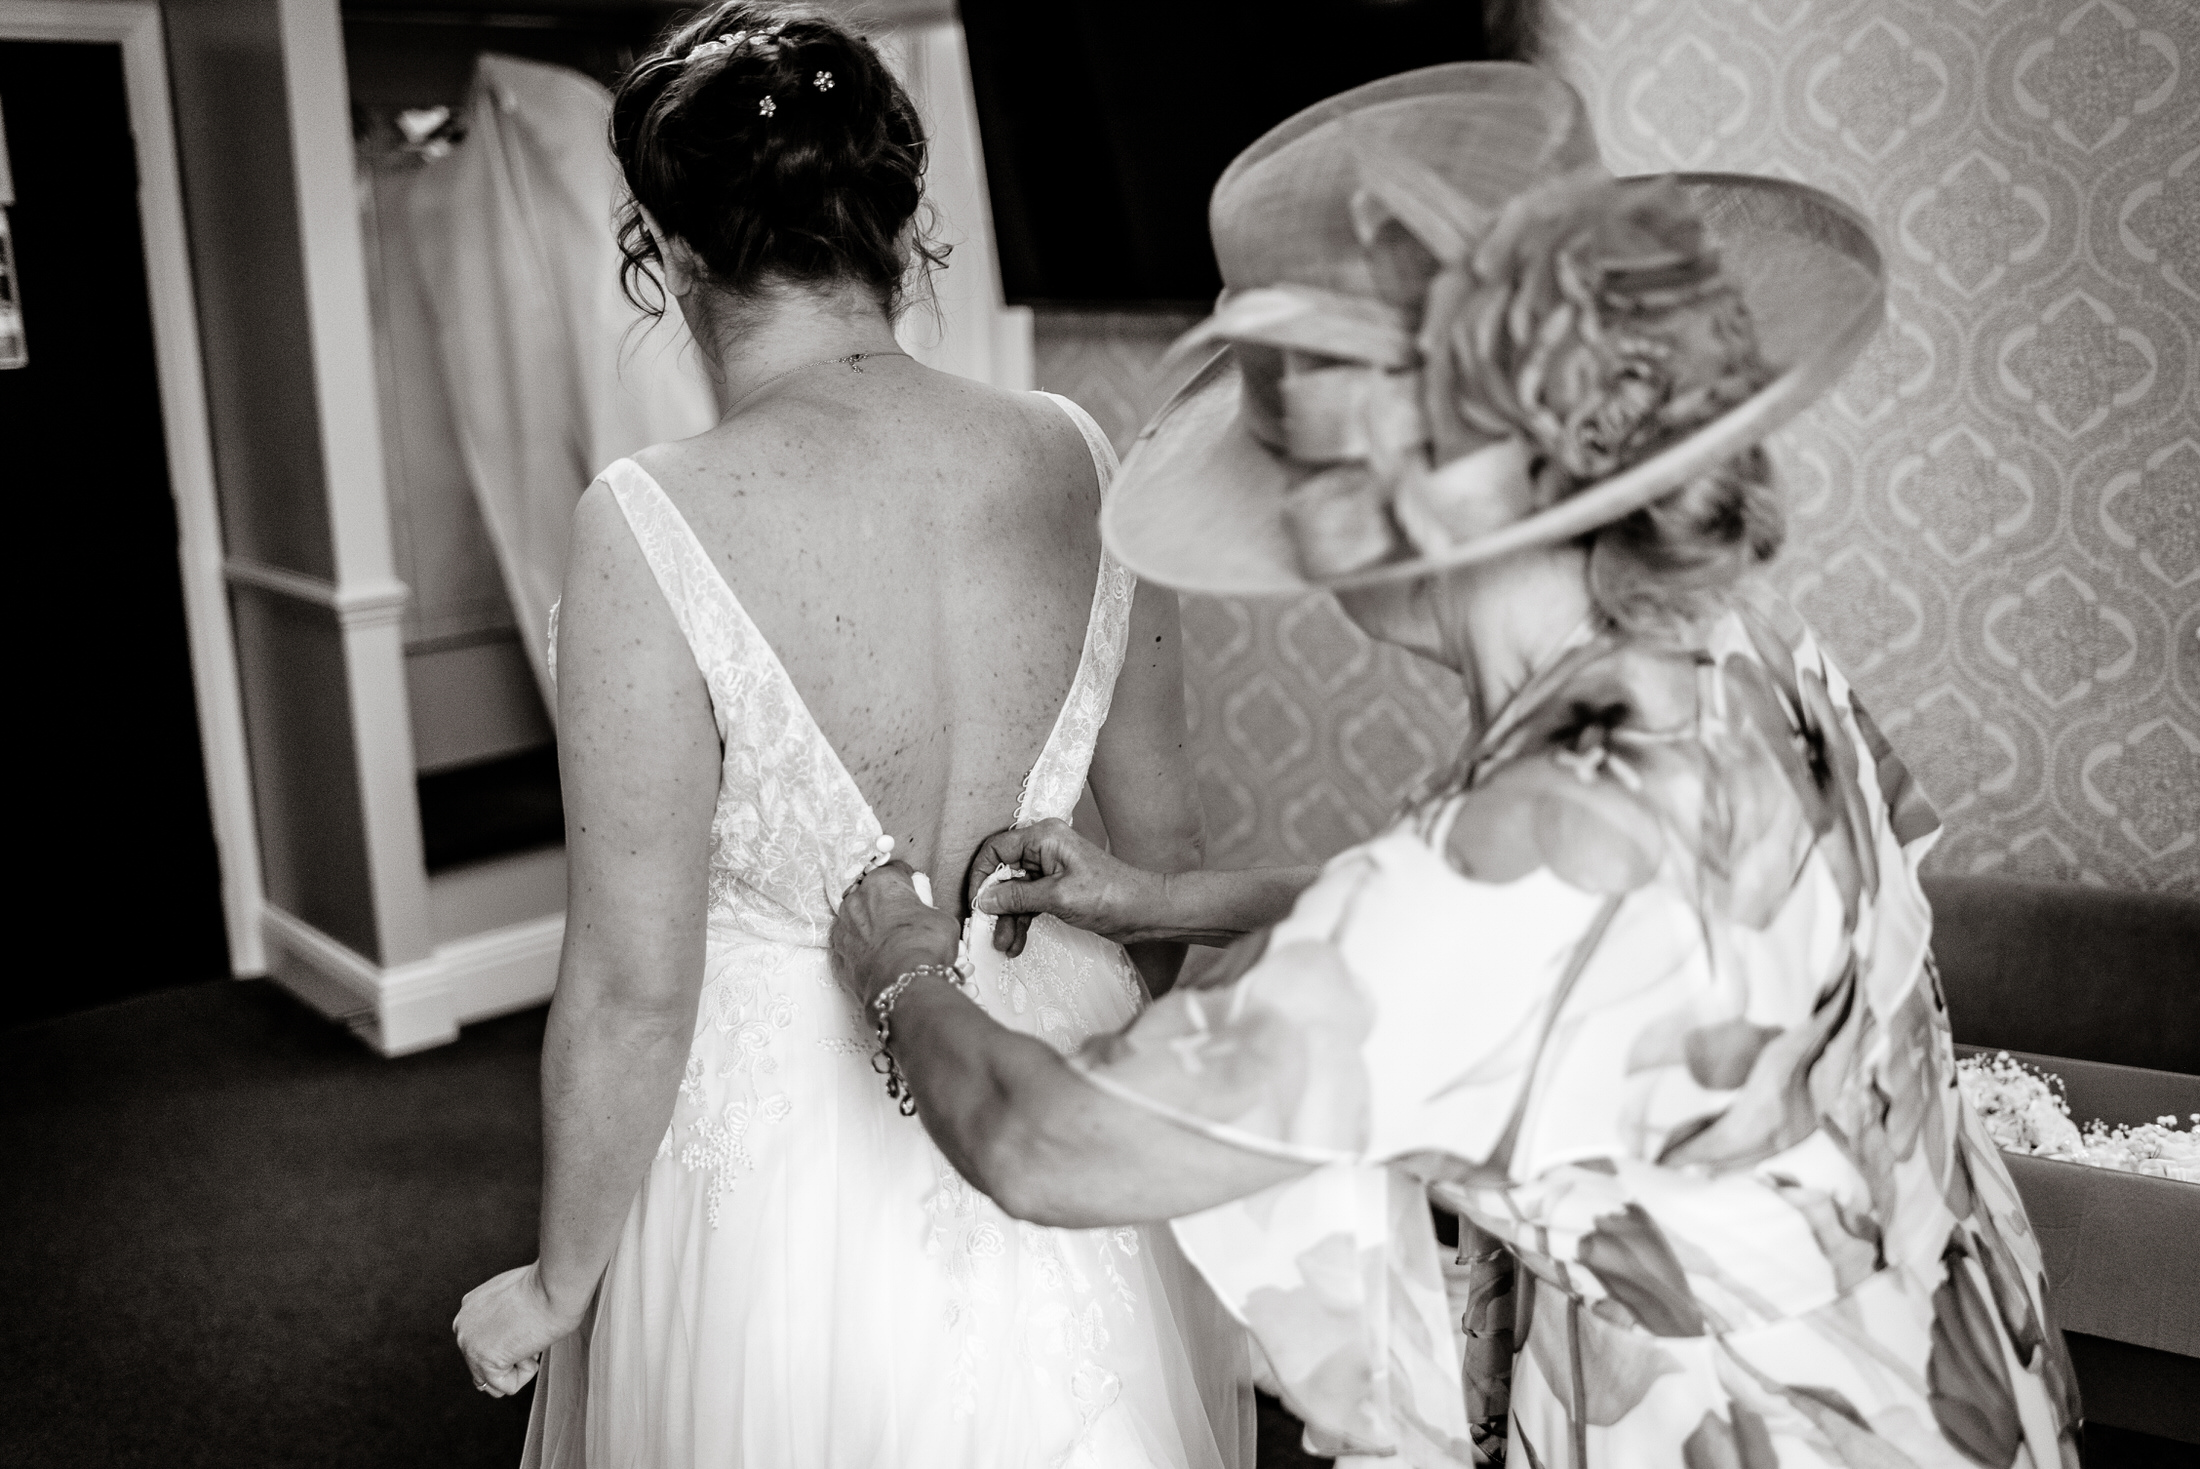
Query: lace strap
column 1104, row 462
column 1058, row 776
column 710, row 617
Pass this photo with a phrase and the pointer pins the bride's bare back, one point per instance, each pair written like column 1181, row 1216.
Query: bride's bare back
column 919, row 550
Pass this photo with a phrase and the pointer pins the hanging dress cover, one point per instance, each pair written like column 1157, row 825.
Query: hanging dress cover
column 551, row 372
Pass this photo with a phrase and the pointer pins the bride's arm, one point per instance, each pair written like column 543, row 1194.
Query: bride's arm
column 638, row 754
column 640, row 757
column 1141, row 773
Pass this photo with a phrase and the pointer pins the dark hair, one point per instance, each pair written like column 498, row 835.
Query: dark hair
column 786, row 151
column 1669, row 565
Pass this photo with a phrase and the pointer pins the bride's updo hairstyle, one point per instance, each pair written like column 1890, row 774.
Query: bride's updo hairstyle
column 778, row 146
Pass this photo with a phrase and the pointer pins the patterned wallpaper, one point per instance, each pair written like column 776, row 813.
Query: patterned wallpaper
column 1995, row 516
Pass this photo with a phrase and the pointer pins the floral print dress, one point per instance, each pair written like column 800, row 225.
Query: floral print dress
column 1640, row 993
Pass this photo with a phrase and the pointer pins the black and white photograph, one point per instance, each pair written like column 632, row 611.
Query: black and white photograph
column 1101, row 734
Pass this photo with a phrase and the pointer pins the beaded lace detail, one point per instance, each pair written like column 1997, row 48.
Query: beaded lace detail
column 1049, row 989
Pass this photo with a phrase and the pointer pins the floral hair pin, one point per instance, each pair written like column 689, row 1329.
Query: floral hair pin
column 823, row 81
column 735, row 41
column 766, row 107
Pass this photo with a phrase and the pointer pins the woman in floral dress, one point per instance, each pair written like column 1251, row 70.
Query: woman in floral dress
column 1639, row 990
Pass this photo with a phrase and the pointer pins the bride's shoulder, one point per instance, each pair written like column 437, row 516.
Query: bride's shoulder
column 996, row 441
column 649, row 499
column 666, row 465
column 1053, row 440
column 986, row 448
column 692, row 475
column 1035, row 415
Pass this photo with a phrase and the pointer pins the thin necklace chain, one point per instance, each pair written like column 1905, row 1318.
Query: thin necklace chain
column 853, row 362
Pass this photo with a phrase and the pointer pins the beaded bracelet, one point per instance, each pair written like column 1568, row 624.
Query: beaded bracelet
column 882, row 1010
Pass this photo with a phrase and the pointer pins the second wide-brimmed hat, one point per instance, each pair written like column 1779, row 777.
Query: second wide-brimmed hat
column 1448, row 334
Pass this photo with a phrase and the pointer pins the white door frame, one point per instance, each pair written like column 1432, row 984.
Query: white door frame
column 135, row 26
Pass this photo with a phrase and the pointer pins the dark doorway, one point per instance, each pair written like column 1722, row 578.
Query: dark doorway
column 118, row 880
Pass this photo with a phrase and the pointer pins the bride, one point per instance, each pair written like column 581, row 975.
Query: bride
column 851, row 620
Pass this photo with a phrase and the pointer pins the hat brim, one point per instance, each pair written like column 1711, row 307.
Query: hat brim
column 1198, row 505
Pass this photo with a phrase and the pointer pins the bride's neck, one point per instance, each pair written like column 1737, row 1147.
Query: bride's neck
column 749, row 339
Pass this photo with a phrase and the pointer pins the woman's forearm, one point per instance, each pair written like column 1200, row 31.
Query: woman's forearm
column 967, row 1080
column 1216, row 908
column 611, row 1070
column 1158, row 960
column 1044, row 1143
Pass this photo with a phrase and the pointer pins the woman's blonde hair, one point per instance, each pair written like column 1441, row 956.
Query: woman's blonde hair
column 1669, row 566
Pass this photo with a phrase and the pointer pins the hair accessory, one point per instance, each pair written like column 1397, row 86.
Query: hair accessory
column 1439, row 355
column 766, row 107
column 735, row 41
column 823, row 81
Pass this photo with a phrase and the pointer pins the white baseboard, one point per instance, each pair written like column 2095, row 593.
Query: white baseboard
column 415, row 1006
column 506, row 969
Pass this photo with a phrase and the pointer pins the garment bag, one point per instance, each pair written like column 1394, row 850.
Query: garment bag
column 552, row 373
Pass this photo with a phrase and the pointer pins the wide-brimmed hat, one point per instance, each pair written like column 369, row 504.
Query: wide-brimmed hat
column 1448, row 335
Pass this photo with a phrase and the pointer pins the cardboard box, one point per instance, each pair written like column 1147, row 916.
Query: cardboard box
column 2122, row 1250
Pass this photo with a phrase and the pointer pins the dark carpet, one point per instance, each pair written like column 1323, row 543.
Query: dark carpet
column 232, row 1236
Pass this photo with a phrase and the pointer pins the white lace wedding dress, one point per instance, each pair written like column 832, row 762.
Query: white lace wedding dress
column 803, row 1282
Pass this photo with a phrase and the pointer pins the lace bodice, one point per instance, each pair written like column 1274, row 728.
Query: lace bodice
column 792, row 830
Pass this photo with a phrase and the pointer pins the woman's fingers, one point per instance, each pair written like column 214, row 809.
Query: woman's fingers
column 495, row 1367
column 491, row 1374
column 502, row 1328
column 1007, row 899
column 1052, row 853
column 1014, row 904
column 1018, row 846
column 871, row 906
column 884, row 928
column 888, row 880
column 502, row 1382
column 1015, row 846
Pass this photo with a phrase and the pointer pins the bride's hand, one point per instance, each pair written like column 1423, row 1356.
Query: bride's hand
column 503, row 1327
column 884, row 929
column 1069, row 877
